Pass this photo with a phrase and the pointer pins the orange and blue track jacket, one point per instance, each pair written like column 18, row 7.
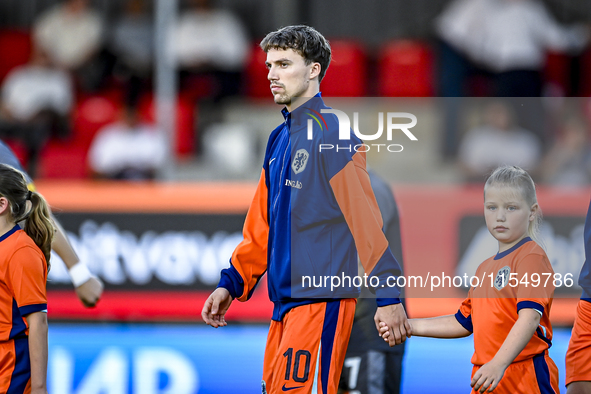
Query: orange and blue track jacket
column 585, row 276
column 312, row 215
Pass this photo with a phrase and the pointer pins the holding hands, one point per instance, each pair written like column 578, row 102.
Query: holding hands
column 392, row 324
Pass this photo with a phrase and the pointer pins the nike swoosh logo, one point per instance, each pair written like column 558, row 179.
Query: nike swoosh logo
column 290, row 388
column 271, row 161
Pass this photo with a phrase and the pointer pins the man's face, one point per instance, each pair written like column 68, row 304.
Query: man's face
column 289, row 75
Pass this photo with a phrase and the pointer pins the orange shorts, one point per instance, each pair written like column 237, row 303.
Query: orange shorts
column 15, row 366
column 537, row 375
column 578, row 356
column 307, row 348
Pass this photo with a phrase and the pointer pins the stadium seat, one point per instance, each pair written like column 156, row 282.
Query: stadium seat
column 18, row 148
column 585, row 90
column 556, row 72
column 256, row 84
column 15, row 47
column 185, row 133
column 67, row 159
column 63, row 160
column 405, row 69
column 347, row 73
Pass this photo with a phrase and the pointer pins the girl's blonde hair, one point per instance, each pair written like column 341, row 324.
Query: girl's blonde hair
column 518, row 178
column 38, row 223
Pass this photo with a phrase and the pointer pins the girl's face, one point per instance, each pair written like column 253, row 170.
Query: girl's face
column 507, row 215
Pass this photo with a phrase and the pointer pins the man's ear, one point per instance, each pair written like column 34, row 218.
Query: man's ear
column 4, row 205
column 315, row 70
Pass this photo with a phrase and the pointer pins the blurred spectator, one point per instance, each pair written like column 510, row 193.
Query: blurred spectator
column 132, row 43
column 371, row 365
column 508, row 38
column 211, row 43
column 71, row 33
column 568, row 163
column 128, row 149
column 36, row 102
column 497, row 142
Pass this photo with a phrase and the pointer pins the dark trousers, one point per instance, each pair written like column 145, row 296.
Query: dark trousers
column 371, row 372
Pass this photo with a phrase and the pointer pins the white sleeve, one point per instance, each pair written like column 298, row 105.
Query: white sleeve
column 554, row 35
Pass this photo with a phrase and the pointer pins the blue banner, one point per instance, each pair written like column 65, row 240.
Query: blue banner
column 191, row 359
column 155, row 359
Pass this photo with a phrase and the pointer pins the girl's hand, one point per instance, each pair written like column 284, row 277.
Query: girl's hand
column 490, row 374
column 384, row 332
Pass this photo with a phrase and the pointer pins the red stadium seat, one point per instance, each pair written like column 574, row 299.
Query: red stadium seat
column 347, row 73
column 585, row 90
column 556, row 71
column 405, row 69
column 91, row 114
column 67, row 159
column 18, row 148
column 15, row 47
column 256, row 84
column 63, row 160
column 185, row 133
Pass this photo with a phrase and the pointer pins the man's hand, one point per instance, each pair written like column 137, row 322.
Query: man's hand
column 395, row 319
column 216, row 307
column 90, row 291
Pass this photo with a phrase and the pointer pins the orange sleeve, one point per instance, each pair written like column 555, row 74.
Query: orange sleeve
column 28, row 276
column 352, row 189
column 464, row 314
column 534, row 266
column 250, row 256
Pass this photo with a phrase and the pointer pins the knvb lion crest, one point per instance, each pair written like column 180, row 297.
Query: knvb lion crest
column 300, row 160
column 502, row 277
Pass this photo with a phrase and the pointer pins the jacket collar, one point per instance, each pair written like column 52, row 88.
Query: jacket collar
column 298, row 117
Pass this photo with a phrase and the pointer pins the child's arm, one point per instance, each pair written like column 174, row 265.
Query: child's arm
column 37, row 322
column 435, row 327
column 491, row 373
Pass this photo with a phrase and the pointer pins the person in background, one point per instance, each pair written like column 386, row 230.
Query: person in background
column 568, row 163
column 36, row 103
column 371, row 366
column 128, row 149
column 131, row 42
column 499, row 141
column 507, row 38
column 578, row 355
column 496, row 48
column 71, row 33
column 88, row 287
column 211, row 43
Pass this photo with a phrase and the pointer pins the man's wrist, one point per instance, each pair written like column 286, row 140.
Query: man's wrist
column 387, row 301
column 80, row 274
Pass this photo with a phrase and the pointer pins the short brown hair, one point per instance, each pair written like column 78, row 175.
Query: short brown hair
column 305, row 40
